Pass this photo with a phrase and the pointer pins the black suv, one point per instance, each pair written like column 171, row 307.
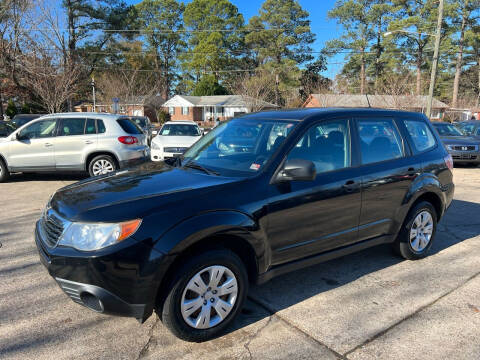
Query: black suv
column 185, row 238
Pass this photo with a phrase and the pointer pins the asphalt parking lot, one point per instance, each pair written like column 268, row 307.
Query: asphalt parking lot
column 363, row 306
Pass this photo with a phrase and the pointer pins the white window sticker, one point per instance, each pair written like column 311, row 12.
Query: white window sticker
column 255, row 166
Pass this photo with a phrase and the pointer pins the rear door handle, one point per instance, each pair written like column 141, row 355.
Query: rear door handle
column 350, row 186
column 88, row 142
column 48, row 144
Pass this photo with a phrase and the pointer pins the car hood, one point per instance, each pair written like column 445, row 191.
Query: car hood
column 180, row 141
column 133, row 193
column 459, row 140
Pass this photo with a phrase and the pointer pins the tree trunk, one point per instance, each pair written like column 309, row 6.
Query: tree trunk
column 419, row 70
column 72, row 44
column 478, row 68
column 378, row 54
column 362, row 73
column 458, row 66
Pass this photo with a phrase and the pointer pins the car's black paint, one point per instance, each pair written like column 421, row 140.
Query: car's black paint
column 281, row 225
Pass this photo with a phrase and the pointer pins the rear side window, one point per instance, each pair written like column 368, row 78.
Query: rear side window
column 421, row 135
column 100, row 126
column 129, row 127
column 71, row 126
column 379, row 140
column 90, row 127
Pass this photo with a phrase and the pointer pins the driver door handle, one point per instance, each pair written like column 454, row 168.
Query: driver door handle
column 88, row 142
column 48, row 144
column 350, row 186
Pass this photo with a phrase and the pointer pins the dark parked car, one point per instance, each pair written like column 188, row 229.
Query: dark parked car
column 187, row 237
column 6, row 128
column 21, row 119
column 145, row 124
column 463, row 148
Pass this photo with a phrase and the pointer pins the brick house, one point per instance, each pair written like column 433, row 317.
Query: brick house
column 208, row 110
column 417, row 103
column 133, row 106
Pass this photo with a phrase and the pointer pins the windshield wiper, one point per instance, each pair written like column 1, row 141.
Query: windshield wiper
column 197, row 166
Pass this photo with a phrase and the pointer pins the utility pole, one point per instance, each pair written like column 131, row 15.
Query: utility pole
column 435, row 59
column 93, row 89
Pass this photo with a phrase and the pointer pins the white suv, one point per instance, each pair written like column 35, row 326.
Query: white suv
column 173, row 139
column 93, row 142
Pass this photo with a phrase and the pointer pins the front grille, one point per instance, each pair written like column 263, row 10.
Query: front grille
column 464, row 147
column 52, row 228
column 179, row 150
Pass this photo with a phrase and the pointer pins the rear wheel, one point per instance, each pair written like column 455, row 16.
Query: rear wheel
column 418, row 232
column 101, row 165
column 206, row 295
column 4, row 173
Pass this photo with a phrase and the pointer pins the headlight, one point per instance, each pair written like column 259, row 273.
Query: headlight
column 155, row 146
column 90, row 236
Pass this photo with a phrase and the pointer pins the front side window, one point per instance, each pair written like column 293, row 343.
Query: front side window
column 184, row 110
column 39, row 129
column 71, row 126
column 379, row 140
column 421, row 135
column 239, row 147
column 179, row 130
column 327, row 145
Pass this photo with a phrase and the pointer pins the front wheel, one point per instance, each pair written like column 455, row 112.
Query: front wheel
column 206, row 295
column 101, row 165
column 418, row 232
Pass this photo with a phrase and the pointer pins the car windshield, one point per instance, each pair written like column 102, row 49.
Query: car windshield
column 179, row 130
column 240, row 147
column 467, row 128
column 448, row 130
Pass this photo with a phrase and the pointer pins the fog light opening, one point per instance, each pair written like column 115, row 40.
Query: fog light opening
column 91, row 301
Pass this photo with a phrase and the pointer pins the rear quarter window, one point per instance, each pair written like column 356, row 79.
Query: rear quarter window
column 421, row 136
column 129, row 127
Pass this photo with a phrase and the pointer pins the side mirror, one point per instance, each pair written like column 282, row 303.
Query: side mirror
column 297, row 170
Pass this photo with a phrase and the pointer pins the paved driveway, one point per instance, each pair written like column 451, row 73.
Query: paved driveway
column 367, row 305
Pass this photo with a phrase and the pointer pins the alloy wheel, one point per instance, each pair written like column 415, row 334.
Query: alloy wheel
column 209, row 297
column 421, row 231
column 102, row 166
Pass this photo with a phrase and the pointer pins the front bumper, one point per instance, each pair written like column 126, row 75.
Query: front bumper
column 122, row 281
column 465, row 156
column 159, row 155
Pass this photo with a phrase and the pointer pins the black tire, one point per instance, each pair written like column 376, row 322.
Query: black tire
column 170, row 310
column 4, row 173
column 402, row 245
column 98, row 159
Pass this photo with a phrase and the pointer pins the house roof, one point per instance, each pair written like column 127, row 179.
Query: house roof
column 218, row 100
column 376, row 101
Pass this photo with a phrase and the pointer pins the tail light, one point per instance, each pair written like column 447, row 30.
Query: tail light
column 128, row 140
column 449, row 161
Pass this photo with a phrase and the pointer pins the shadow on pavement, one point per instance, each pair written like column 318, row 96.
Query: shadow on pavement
column 25, row 177
column 293, row 288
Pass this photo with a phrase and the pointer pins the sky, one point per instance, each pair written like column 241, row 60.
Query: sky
column 321, row 26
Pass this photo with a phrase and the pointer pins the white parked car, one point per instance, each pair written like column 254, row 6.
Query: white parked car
column 173, row 139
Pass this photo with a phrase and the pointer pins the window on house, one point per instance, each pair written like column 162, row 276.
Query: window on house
column 184, row 110
column 171, row 110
